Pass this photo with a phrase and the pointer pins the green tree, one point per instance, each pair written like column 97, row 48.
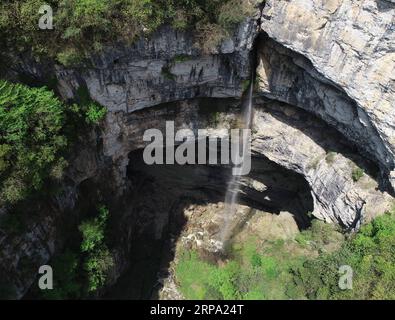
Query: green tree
column 31, row 139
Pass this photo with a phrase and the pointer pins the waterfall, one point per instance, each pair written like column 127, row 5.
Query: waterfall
column 233, row 189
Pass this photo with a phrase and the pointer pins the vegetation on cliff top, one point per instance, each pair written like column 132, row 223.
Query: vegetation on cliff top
column 84, row 26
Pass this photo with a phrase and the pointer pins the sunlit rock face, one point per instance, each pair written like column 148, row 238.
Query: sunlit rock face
column 169, row 66
column 340, row 66
column 302, row 143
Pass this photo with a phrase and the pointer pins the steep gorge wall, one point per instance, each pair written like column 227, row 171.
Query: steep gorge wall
column 334, row 59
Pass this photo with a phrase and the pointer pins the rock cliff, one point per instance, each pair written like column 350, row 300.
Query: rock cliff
column 336, row 59
column 324, row 106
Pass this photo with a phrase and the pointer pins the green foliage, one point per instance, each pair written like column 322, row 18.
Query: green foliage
column 66, row 282
column 97, row 265
column 318, row 235
column 93, row 231
column 357, row 174
column 233, row 12
column 304, row 269
column 245, row 85
column 224, row 280
column 166, row 72
column 81, row 271
column 250, row 274
column 192, row 275
column 214, row 118
column 35, row 128
column 99, row 259
column 371, row 255
column 85, row 26
column 95, row 113
column 70, row 57
column 181, row 58
column 256, row 260
column 31, row 139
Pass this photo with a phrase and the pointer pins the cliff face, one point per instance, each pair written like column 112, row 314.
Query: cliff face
column 324, row 105
column 167, row 67
column 336, row 59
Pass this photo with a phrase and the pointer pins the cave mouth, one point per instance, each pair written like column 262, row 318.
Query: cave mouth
column 160, row 194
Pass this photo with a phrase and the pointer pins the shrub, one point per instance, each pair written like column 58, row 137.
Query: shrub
column 256, row 260
column 193, row 285
column 210, row 36
column 245, row 85
column 181, row 58
column 233, row 12
column 357, row 174
column 99, row 259
column 70, row 57
column 97, row 265
column 93, row 231
column 224, row 280
column 95, row 113
column 180, row 21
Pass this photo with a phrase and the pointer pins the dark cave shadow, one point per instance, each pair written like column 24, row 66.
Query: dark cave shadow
column 150, row 255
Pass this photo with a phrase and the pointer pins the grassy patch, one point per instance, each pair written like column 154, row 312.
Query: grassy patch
column 255, row 269
column 193, row 285
column 308, row 268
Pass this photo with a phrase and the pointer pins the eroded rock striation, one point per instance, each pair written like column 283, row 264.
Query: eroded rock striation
column 336, row 59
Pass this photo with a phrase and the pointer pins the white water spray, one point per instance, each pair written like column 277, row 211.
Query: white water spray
column 233, row 189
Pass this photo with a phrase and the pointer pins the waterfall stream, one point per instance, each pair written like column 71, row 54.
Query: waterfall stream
column 233, row 189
